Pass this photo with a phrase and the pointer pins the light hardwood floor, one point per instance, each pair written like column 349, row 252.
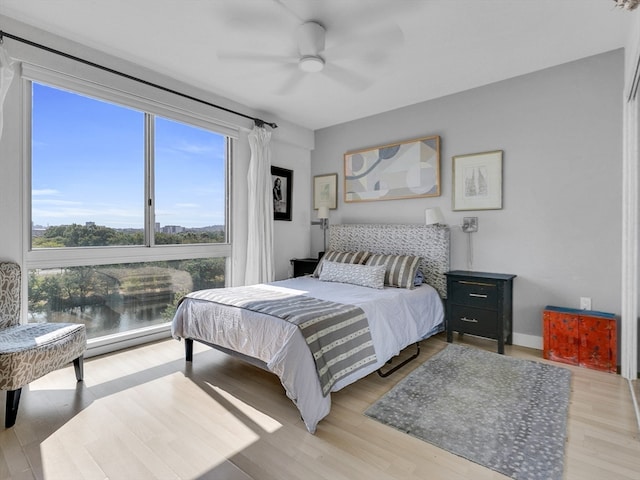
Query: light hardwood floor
column 144, row 413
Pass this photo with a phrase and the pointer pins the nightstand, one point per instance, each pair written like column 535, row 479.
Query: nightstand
column 304, row 266
column 480, row 303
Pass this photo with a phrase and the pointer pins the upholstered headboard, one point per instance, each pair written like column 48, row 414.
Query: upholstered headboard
column 430, row 242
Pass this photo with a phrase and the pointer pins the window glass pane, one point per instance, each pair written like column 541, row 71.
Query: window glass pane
column 87, row 177
column 117, row 298
column 190, row 184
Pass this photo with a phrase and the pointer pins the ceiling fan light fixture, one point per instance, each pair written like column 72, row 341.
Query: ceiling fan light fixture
column 311, row 64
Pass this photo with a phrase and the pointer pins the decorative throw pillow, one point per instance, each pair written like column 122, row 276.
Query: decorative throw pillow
column 363, row 275
column 400, row 269
column 418, row 279
column 340, row 257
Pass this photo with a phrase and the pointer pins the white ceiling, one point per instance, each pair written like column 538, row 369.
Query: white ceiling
column 406, row 51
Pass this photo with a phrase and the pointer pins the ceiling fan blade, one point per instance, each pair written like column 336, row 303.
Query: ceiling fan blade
column 345, row 77
column 289, row 11
column 264, row 17
column 375, row 12
column 293, row 83
column 367, row 47
column 256, row 57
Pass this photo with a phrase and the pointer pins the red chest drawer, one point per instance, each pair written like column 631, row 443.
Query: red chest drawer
column 580, row 337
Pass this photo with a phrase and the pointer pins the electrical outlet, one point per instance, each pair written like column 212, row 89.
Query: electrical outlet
column 585, row 303
column 470, row 224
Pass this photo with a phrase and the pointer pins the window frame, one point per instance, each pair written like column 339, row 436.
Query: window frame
column 162, row 106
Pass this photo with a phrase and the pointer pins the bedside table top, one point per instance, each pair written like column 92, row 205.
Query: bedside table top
column 473, row 274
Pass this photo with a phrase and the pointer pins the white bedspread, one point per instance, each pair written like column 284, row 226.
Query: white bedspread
column 397, row 318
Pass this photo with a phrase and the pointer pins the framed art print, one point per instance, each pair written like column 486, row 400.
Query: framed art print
column 407, row 169
column 325, row 191
column 477, row 181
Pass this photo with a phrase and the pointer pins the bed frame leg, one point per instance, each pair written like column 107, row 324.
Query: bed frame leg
column 401, row 364
column 188, row 349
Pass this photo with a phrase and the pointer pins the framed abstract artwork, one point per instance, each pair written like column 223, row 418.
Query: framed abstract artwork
column 407, row 169
column 477, row 181
column 325, row 191
column 282, row 187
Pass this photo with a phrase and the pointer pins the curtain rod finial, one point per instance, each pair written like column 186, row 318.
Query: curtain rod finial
column 261, row 123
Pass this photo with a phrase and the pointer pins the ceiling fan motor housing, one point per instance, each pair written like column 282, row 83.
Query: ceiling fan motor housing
column 310, row 43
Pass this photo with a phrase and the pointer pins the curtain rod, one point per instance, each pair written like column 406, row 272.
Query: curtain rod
column 257, row 121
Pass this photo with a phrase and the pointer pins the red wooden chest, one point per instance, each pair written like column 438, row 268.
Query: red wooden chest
column 580, row 337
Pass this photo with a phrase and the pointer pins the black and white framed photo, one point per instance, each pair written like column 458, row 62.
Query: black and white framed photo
column 282, row 187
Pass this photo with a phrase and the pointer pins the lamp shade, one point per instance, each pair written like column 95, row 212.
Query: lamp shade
column 433, row 216
column 323, row 212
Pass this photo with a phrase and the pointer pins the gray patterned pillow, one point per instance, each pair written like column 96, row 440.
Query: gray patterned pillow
column 363, row 275
column 400, row 269
column 340, row 257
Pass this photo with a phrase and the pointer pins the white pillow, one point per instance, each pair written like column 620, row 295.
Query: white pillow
column 363, row 275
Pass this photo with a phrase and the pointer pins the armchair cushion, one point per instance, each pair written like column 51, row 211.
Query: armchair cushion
column 30, row 351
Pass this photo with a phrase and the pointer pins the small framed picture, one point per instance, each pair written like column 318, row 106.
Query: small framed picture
column 477, row 181
column 325, row 191
column 282, row 187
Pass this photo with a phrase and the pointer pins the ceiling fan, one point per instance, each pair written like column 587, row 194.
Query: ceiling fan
column 353, row 60
column 311, row 37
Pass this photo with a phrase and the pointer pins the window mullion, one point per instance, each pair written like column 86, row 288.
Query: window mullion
column 149, row 188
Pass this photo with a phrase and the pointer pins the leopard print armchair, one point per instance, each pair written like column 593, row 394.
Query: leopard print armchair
column 30, row 351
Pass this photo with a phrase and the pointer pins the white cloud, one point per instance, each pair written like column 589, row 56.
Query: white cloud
column 44, row 191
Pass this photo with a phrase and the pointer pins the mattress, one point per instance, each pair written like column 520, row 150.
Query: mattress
column 397, row 318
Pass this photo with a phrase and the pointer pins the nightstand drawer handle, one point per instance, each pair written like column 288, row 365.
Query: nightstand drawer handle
column 477, row 283
column 479, row 295
column 470, row 320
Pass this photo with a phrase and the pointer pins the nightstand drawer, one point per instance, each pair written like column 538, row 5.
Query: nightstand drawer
column 476, row 293
column 474, row 321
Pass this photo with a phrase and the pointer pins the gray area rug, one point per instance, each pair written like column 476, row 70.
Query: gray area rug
column 504, row 413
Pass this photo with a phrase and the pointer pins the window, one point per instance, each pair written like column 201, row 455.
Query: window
column 87, row 171
column 88, row 176
column 189, row 184
column 128, row 210
column 112, row 299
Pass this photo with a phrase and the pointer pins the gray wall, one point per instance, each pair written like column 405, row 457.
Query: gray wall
column 560, row 226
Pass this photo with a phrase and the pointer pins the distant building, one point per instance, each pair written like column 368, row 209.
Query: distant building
column 37, row 230
column 172, row 229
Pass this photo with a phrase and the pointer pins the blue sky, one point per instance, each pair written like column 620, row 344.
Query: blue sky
column 88, row 165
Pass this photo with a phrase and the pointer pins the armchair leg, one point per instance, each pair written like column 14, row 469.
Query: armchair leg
column 11, row 410
column 78, row 365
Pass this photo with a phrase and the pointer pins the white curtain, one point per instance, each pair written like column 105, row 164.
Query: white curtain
column 6, row 75
column 260, row 265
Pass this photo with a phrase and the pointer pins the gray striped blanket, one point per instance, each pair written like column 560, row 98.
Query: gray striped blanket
column 337, row 334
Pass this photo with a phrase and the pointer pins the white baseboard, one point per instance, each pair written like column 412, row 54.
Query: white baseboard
column 529, row 341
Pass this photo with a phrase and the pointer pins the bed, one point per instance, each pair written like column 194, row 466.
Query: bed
column 255, row 329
